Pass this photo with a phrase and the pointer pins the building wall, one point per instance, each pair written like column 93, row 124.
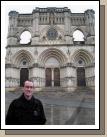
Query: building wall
column 61, row 24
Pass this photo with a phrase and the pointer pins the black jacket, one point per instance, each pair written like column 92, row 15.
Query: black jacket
column 24, row 112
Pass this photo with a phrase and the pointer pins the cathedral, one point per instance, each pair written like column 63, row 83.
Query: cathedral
column 53, row 57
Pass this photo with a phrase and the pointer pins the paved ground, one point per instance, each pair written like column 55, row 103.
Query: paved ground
column 64, row 108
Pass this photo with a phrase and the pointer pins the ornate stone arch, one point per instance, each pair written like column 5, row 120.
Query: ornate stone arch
column 84, row 54
column 80, row 29
column 23, row 54
column 18, row 34
column 52, row 52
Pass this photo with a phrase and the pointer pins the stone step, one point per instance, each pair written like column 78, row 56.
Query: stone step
column 60, row 89
column 83, row 89
column 53, row 89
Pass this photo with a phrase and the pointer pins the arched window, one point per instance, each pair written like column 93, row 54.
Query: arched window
column 78, row 35
column 24, row 63
column 25, row 37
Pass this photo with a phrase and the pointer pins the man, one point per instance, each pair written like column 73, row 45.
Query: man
column 26, row 110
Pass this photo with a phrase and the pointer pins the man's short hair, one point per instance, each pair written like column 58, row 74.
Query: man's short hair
column 29, row 81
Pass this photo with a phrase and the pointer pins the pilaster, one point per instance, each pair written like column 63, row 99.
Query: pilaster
column 35, row 36
column 67, row 27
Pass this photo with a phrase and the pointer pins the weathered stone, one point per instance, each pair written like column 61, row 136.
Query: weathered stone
column 51, row 46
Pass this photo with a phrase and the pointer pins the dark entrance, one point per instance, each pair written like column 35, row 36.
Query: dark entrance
column 48, row 74
column 56, row 77
column 81, row 76
column 24, row 75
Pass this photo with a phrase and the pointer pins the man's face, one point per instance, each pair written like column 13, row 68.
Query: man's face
column 28, row 89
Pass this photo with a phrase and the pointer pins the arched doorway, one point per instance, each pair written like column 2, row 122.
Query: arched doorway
column 52, row 72
column 24, row 75
column 51, row 59
column 52, row 77
column 81, row 76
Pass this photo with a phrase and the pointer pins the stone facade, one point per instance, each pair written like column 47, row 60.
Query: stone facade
column 52, row 49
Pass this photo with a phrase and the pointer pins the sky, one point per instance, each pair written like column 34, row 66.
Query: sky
column 28, row 6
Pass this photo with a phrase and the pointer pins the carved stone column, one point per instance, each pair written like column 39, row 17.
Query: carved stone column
column 67, row 27
column 90, row 25
column 52, row 77
column 12, row 29
column 35, row 28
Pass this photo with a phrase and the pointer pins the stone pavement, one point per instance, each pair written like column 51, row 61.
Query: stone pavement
column 64, row 108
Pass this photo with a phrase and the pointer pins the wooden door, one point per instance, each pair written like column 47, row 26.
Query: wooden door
column 24, row 75
column 56, row 77
column 81, row 76
column 48, row 74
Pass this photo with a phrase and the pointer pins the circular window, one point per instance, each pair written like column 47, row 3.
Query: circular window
column 24, row 62
column 52, row 34
column 80, row 61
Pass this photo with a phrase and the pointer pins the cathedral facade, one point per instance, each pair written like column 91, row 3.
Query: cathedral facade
column 52, row 57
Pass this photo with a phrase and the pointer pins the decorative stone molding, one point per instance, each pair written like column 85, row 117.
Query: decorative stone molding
column 12, row 82
column 51, row 16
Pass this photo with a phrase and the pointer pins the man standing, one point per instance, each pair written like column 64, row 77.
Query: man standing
column 26, row 110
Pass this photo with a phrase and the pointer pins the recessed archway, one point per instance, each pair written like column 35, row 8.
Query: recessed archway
column 81, row 59
column 25, row 37
column 22, row 55
column 52, row 52
column 52, row 59
column 83, row 55
column 78, row 35
column 52, row 72
column 23, row 60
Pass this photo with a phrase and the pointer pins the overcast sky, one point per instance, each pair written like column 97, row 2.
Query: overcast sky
column 27, row 7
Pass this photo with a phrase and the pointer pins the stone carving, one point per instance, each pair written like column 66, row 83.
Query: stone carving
column 8, row 56
column 52, row 34
column 36, row 52
column 51, row 16
column 68, row 53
